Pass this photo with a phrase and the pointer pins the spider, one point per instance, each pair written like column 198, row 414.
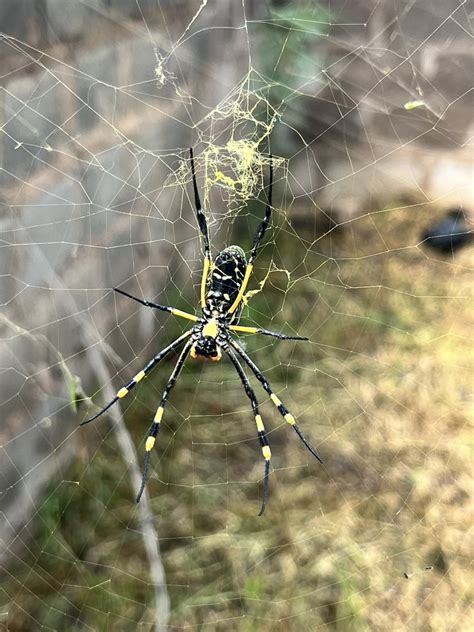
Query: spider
column 222, row 295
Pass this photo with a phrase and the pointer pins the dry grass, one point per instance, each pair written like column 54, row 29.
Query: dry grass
column 376, row 539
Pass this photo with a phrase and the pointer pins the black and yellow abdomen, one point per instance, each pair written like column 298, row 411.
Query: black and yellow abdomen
column 225, row 278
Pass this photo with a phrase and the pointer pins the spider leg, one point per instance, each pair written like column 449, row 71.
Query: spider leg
column 163, row 308
column 265, row 332
column 125, row 390
column 256, row 242
column 258, row 420
column 155, row 426
column 201, row 218
column 266, row 219
column 266, row 385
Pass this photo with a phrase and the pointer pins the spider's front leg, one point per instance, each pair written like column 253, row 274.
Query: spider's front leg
column 262, row 229
column 202, row 222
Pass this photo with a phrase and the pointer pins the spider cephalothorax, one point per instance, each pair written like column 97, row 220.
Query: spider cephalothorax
column 209, row 339
column 223, row 285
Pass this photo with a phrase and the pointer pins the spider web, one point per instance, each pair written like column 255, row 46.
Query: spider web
column 365, row 108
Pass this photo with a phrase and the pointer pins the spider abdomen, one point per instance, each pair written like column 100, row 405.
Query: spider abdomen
column 226, row 278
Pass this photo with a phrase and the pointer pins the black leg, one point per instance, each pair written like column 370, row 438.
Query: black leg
column 265, row 332
column 281, row 408
column 201, row 218
column 266, row 219
column 155, row 426
column 125, row 390
column 262, row 435
column 199, row 212
column 163, row 308
column 256, row 242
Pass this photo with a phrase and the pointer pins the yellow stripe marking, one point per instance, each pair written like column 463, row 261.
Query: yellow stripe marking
column 290, row 419
column 159, row 415
column 205, row 272
column 210, row 329
column 267, row 453
column 275, row 399
column 178, row 312
column 150, row 442
column 244, row 330
column 243, row 287
column 139, row 376
column 122, row 392
column 259, row 422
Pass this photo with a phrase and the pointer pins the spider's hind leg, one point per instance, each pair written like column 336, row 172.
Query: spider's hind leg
column 155, row 426
column 284, row 412
column 262, row 435
column 125, row 390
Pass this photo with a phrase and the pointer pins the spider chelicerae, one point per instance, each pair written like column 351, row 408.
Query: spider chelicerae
column 223, row 285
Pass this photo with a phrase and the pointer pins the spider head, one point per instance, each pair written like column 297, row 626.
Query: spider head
column 206, row 347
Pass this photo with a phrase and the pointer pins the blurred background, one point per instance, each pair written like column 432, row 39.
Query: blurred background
column 367, row 110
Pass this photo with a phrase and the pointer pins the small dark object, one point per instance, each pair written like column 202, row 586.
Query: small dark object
column 409, row 575
column 450, row 234
column 223, row 285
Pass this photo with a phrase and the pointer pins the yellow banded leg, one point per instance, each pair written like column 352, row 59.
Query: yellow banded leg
column 155, row 426
column 125, row 390
column 284, row 412
column 243, row 329
column 288, row 417
column 154, row 430
column 163, row 308
column 262, row 435
column 267, row 453
column 149, row 445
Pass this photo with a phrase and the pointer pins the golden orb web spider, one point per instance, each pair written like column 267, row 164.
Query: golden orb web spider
column 223, row 286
